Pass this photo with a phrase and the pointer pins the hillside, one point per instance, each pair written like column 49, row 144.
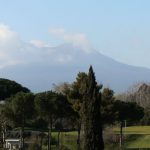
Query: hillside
column 9, row 88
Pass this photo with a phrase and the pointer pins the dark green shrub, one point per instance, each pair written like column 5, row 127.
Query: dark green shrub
column 34, row 146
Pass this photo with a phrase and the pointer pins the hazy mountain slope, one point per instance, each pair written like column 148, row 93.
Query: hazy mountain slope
column 62, row 63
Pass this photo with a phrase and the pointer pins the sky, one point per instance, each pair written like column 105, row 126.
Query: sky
column 115, row 28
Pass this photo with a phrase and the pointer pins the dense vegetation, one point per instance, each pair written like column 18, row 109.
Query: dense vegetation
column 9, row 88
column 83, row 106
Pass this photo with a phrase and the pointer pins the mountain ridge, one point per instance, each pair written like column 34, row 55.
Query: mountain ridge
column 62, row 63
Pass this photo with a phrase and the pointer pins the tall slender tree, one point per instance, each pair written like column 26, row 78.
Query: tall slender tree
column 93, row 139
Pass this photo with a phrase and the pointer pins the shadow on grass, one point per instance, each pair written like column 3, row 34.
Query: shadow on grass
column 130, row 139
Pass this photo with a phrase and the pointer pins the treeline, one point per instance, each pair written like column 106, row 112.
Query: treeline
column 9, row 88
column 140, row 94
column 69, row 106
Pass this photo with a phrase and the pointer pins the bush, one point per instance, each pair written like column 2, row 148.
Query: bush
column 34, row 146
column 53, row 141
column 64, row 148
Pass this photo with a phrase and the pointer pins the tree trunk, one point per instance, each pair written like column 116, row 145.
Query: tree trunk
column 121, row 127
column 22, row 138
column 79, row 129
column 41, row 141
column 22, row 132
column 49, row 137
column 49, row 133
column 58, row 139
column 3, row 136
column 3, row 139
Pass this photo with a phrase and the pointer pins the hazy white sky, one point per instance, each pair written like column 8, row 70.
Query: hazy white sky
column 119, row 29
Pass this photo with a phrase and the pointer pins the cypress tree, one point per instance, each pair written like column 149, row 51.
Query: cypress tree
column 93, row 139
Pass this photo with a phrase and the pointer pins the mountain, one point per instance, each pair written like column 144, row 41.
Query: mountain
column 49, row 65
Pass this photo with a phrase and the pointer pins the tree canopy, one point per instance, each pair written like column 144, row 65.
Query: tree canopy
column 9, row 88
column 108, row 112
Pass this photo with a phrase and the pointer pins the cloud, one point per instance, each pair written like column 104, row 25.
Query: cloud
column 8, row 38
column 9, row 45
column 14, row 51
column 6, row 34
column 64, row 58
column 77, row 39
column 40, row 43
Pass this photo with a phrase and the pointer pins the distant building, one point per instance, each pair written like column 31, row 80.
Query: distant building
column 2, row 102
column 13, row 141
column 12, row 144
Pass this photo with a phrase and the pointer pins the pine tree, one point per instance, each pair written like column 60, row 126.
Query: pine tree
column 93, row 139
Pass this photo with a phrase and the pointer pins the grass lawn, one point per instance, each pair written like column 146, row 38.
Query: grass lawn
column 140, row 141
column 134, row 130
column 136, row 137
column 67, row 139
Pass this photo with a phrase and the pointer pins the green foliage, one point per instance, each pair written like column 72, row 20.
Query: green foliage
column 38, row 123
column 108, row 112
column 146, row 119
column 76, row 95
column 91, row 111
column 9, row 88
column 52, row 105
column 86, row 103
column 22, row 105
column 129, row 111
column 45, row 104
column 19, row 108
column 34, row 146
column 77, row 92
column 64, row 148
column 58, row 126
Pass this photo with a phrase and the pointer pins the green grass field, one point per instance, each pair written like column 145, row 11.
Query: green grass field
column 136, row 137
column 67, row 139
column 134, row 130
